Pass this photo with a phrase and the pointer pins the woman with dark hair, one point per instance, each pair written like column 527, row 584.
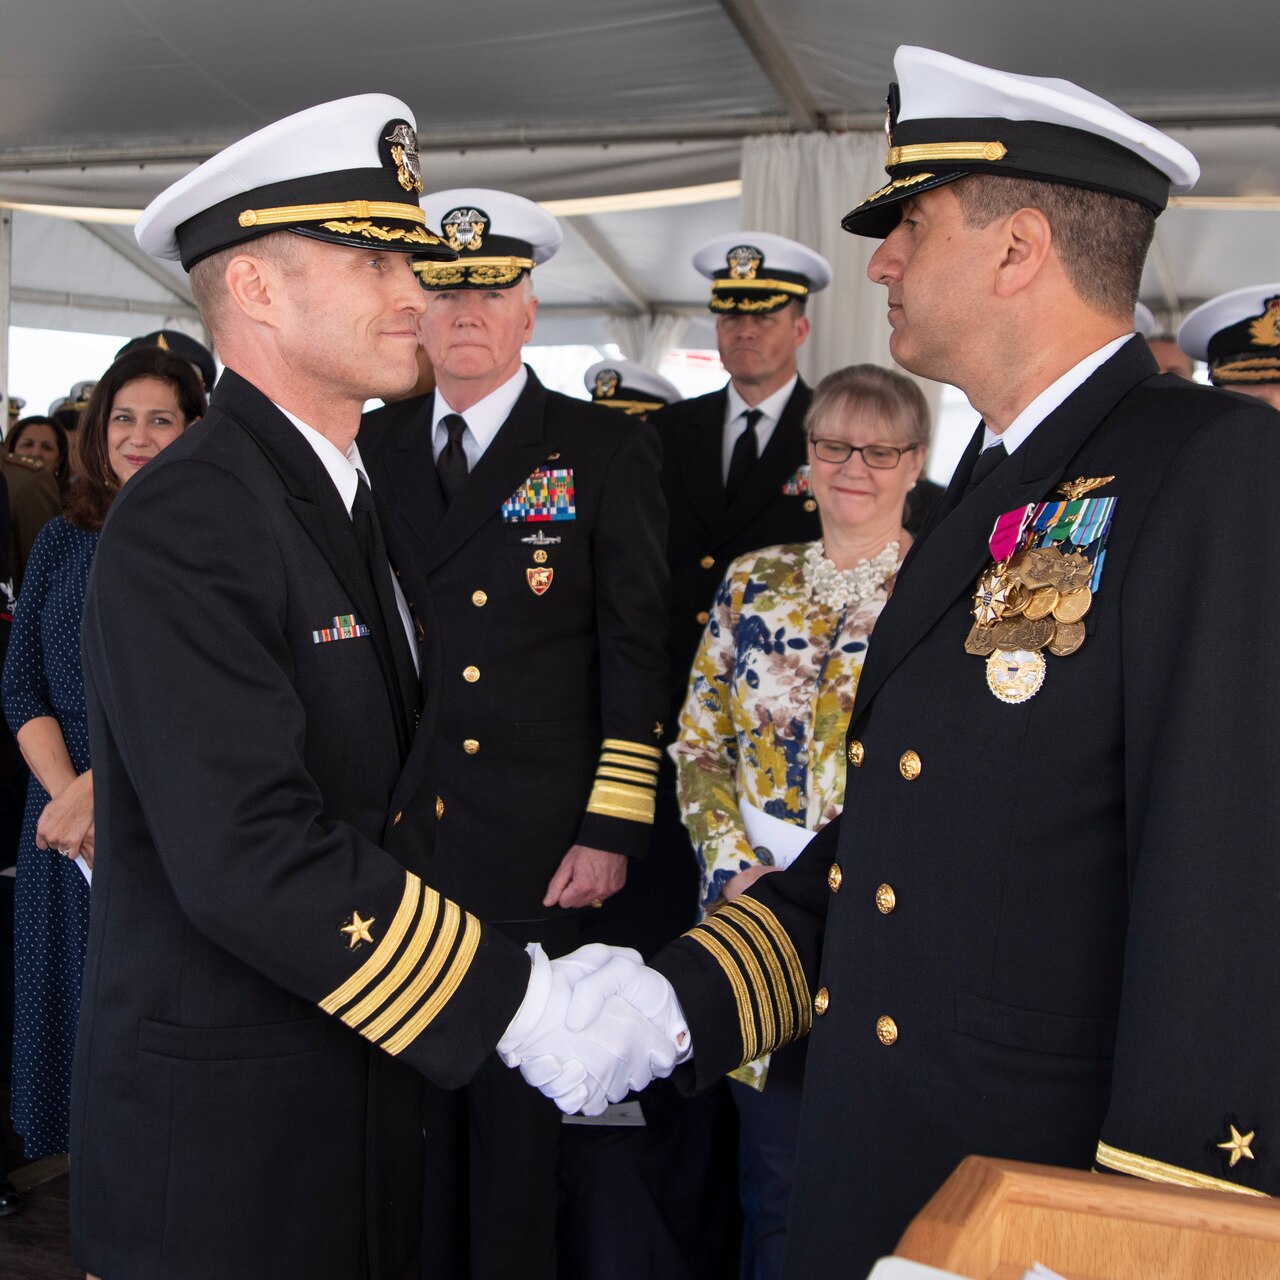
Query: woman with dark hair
column 760, row 756
column 143, row 403
column 44, row 439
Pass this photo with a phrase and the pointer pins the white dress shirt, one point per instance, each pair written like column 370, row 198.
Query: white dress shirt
column 771, row 407
column 483, row 419
column 345, row 470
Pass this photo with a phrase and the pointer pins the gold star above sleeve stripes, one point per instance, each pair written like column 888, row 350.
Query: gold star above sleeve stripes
column 413, row 971
column 626, row 780
column 764, row 972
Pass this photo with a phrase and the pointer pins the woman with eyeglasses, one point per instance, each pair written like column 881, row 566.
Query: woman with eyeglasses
column 760, row 757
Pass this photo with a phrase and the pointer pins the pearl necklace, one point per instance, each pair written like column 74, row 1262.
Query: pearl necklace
column 838, row 589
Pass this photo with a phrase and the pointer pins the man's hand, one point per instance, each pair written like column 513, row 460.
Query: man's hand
column 744, row 880
column 586, row 877
column 612, row 1049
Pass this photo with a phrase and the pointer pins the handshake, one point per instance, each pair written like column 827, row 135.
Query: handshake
column 594, row 1026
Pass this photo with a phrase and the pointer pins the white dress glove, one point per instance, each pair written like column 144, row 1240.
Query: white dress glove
column 612, row 1049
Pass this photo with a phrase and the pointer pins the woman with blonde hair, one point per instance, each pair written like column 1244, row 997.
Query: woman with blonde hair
column 760, row 757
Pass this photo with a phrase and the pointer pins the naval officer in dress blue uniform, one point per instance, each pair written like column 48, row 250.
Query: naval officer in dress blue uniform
column 1045, row 927
column 534, row 524
column 269, row 967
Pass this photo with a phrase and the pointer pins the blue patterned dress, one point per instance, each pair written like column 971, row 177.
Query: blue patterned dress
column 42, row 677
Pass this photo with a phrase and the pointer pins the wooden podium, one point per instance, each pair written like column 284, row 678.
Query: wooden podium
column 994, row 1218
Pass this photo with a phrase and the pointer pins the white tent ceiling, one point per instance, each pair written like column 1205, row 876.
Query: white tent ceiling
column 105, row 104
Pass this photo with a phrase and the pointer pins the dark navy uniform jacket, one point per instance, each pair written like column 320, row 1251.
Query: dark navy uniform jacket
column 706, row 532
column 1055, row 938
column 267, row 969
column 552, row 635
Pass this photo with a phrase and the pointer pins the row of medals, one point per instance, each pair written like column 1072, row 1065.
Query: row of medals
column 1034, row 600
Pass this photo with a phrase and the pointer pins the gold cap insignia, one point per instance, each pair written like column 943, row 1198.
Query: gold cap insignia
column 404, row 155
column 744, row 261
column 358, row 930
column 464, row 229
column 606, row 383
column 1265, row 330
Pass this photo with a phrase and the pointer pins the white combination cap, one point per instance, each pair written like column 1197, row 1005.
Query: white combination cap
column 633, row 388
column 1238, row 333
column 345, row 171
column 757, row 272
column 948, row 117
column 497, row 237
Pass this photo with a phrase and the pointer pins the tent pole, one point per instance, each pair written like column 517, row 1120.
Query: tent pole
column 6, row 282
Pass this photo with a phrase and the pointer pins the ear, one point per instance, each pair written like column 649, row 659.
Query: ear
column 255, row 287
column 1025, row 249
column 802, row 329
column 530, row 310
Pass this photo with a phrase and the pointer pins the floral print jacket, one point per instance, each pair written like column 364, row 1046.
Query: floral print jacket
column 769, row 703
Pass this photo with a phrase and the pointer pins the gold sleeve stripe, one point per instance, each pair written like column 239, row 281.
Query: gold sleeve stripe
column 790, row 957
column 426, row 974
column 645, row 780
column 1157, row 1171
column 746, row 1015
column 634, row 748
column 613, row 757
column 616, row 800
column 453, row 977
column 782, row 997
column 383, row 952
column 404, row 966
column 752, row 972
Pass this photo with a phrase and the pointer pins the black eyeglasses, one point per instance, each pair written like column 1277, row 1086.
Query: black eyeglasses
column 881, row 457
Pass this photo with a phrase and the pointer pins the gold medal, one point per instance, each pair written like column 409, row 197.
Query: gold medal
column 1038, row 567
column 1023, row 633
column 980, row 641
column 1015, row 676
column 1072, row 572
column 1042, row 603
column 1016, row 599
column 1067, row 639
column 1073, row 606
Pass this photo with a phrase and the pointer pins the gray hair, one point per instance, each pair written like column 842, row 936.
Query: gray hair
column 884, row 392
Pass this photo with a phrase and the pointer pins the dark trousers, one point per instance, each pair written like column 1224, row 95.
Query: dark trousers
column 489, row 1208
column 769, row 1120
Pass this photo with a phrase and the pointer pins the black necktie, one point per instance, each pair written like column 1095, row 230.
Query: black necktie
column 743, row 458
column 368, row 531
column 451, row 465
column 985, row 463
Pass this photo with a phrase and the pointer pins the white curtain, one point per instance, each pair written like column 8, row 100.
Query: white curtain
column 647, row 338
column 801, row 185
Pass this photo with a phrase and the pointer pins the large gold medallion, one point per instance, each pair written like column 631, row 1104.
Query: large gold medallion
column 1067, row 638
column 1015, row 676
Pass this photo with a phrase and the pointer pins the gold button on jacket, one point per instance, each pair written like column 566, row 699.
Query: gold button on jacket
column 439, row 808
column 395, row 822
column 810, row 504
column 471, row 674
column 909, row 766
column 470, row 746
column 479, row 598
column 703, row 617
column 835, row 877
column 708, row 562
column 886, row 899
column 821, row 1001
column 886, row 1029
column 857, row 754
